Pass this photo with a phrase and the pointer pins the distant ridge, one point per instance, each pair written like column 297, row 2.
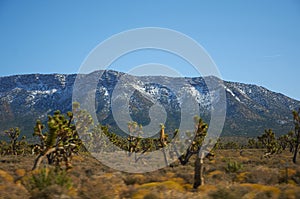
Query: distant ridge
column 250, row 108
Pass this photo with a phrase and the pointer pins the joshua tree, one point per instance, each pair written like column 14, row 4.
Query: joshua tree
column 162, row 136
column 132, row 138
column 283, row 141
column 59, row 143
column 163, row 141
column 252, row 143
column 194, row 148
column 291, row 140
column 296, row 115
column 269, row 141
column 16, row 146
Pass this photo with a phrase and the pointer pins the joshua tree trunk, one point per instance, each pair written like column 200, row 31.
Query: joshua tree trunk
column 39, row 159
column 163, row 142
column 199, row 168
column 14, row 147
column 296, row 115
column 296, row 146
column 162, row 137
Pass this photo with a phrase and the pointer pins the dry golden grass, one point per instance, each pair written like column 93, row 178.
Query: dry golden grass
column 258, row 191
column 5, row 177
column 10, row 189
column 259, row 178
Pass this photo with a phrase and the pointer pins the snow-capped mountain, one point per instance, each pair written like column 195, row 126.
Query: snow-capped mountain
column 250, row 108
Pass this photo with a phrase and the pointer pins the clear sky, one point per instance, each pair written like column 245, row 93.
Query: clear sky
column 254, row 42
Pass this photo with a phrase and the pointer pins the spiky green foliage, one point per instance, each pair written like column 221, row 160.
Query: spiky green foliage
column 291, row 140
column 233, row 166
column 46, row 177
column 269, row 141
column 254, row 144
column 134, row 138
column 134, row 143
column 93, row 136
column 15, row 145
column 61, row 141
column 196, row 141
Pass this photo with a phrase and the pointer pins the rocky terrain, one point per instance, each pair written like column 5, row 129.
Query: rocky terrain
column 250, row 108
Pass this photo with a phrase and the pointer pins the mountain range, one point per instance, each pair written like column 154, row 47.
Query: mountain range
column 250, row 108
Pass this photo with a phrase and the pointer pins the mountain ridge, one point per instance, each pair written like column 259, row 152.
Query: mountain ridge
column 250, row 108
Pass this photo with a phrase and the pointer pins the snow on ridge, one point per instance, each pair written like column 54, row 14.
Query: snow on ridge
column 204, row 100
column 46, row 92
column 61, row 78
column 242, row 90
column 231, row 92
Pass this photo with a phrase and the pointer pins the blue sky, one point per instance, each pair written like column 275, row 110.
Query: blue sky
column 254, row 42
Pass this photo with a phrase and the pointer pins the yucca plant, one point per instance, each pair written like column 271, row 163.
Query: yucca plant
column 233, row 166
column 46, row 177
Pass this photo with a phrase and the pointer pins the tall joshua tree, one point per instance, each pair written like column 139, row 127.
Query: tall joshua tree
column 163, row 141
column 296, row 115
column 194, row 148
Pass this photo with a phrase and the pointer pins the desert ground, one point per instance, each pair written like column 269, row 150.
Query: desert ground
column 234, row 173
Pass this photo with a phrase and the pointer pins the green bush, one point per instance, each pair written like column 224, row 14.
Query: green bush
column 46, row 177
column 233, row 166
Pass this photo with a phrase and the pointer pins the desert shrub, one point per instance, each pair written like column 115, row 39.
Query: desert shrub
column 5, row 177
column 134, row 179
column 54, row 192
column 230, row 145
column 166, row 185
column 231, row 193
column 185, row 172
column 12, row 190
column 296, row 177
column 241, row 177
column 217, row 174
column 233, row 166
column 105, row 185
column 264, row 195
column 158, row 176
column 46, row 177
column 151, row 196
column 262, row 175
column 259, row 191
column 186, row 176
column 289, row 191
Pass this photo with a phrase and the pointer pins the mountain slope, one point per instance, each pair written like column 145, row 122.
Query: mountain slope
column 250, row 108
